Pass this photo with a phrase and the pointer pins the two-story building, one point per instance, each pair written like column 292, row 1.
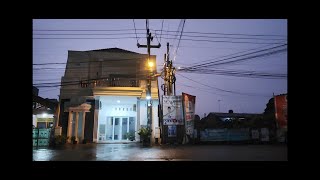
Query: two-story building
column 103, row 95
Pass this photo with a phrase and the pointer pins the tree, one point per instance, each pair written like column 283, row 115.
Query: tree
column 269, row 118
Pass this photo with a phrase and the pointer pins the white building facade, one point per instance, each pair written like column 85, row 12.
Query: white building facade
column 103, row 95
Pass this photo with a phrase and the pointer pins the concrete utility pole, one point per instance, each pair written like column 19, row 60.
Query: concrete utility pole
column 149, row 78
column 169, row 77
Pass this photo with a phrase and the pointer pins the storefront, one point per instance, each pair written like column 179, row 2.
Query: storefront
column 117, row 118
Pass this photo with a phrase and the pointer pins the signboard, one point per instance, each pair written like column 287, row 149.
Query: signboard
column 172, row 131
column 280, row 104
column 189, row 102
column 225, row 135
column 172, row 110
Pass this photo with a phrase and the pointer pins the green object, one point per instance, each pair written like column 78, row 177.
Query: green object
column 130, row 136
column 144, row 133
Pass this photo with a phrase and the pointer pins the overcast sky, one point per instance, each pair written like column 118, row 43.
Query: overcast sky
column 202, row 41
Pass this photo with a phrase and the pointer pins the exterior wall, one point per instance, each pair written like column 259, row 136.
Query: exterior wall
column 143, row 114
column 104, row 65
column 84, row 65
column 34, row 120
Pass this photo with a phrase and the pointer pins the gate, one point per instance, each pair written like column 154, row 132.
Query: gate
column 40, row 137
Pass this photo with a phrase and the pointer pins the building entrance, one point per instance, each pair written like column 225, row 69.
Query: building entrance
column 117, row 128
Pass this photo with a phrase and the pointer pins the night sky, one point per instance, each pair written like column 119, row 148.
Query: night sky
column 202, row 41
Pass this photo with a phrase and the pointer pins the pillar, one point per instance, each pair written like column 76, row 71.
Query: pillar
column 69, row 130
column 95, row 125
column 76, row 126
column 83, row 124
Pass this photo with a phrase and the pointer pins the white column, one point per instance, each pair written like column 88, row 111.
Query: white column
column 152, row 123
column 76, row 126
column 95, row 125
column 83, row 124
column 69, row 130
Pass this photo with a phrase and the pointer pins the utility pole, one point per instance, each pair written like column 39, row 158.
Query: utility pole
column 219, row 104
column 169, row 76
column 149, row 78
column 169, row 82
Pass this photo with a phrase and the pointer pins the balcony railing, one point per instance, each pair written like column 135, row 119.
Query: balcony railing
column 114, row 82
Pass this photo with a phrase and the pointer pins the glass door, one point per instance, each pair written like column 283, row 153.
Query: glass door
column 117, row 128
column 125, row 128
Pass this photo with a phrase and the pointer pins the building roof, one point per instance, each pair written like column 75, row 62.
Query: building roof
column 117, row 50
column 233, row 114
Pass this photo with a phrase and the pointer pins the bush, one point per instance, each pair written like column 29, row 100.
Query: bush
column 130, row 136
column 60, row 140
column 144, row 133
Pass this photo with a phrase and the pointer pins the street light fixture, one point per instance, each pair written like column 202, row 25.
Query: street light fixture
column 150, row 64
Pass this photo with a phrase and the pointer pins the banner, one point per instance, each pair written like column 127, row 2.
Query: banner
column 172, row 110
column 172, row 131
column 189, row 102
column 280, row 104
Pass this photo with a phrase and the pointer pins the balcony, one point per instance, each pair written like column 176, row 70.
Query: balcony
column 111, row 82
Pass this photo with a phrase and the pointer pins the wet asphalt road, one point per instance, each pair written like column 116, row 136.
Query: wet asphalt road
column 136, row 152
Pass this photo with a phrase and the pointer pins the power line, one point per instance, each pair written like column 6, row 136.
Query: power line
column 161, row 29
column 223, row 90
column 242, row 74
column 134, row 24
column 230, row 34
column 248, row 58
column 117, row 34
column 77, row 62
column 175, row 53
column 203, row 40
column 85, row 38
column 85, row 29
column 215, row 62
column 240, row 52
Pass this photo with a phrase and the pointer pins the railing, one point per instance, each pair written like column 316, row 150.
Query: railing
column 114, row 82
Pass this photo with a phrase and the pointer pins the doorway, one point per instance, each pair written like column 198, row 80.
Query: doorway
column 117, row 128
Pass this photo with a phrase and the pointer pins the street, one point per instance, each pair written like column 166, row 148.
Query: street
column 136, row 152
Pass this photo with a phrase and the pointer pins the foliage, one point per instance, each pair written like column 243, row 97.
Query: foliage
column 60, row 139
column 144, row 133
column 130, row 136
column 73, row 138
